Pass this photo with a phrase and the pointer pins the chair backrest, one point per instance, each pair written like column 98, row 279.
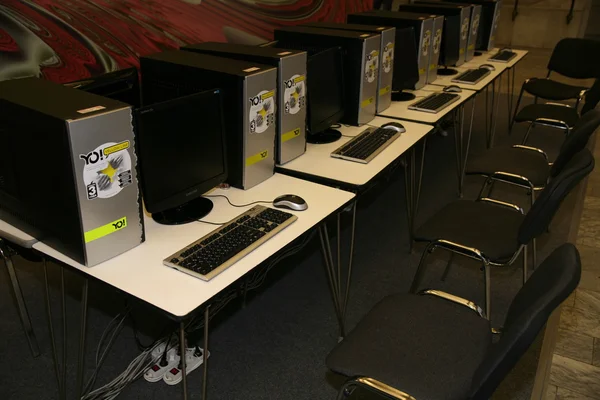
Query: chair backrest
column 591, row 98
column 576, row 58
column 541, row 213
column 551, row 283
column 576, row 141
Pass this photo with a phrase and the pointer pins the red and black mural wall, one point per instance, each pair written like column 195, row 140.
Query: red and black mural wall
column 66, row 40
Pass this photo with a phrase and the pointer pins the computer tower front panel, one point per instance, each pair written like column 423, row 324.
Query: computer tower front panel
column 422, row 26
column 369, row 82
column 291, row 90
column 436, row 46
column 385, row 72
column 473, row 31
column 291, row 108
column 386, row 69
column 465, row 20
column 259, row 127
column 425, row 50
column 494, row 26
column 104, row 166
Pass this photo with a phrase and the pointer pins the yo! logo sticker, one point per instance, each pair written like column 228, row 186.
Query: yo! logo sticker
column 262, row 109
column 464, row 29
column 437, row 41
column 106, row 170
column 426, row 43
column 387, row 58
column 372, row 66
column 295, row 94
column 475, row 25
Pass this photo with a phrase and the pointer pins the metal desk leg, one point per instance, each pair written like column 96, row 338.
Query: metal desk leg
column 182, row 351
column 495, row 103
column 59, row 383
column 6, row 254
column 82, row 337
column 334, row 269
column 63, row 306
column 466, row 152
column 205, row 355
column 413, row 177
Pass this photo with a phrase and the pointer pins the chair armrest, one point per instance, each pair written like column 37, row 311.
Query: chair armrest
column 551, row 122
column 549, row 103
column 511, row 206
column 512, row 178
column 461, row 249
column 523, row 147
column 455, row 299
column 383, row 388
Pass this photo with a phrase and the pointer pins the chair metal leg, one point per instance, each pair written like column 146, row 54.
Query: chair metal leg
column 448, row 266
column 527, row 133
column 525, row 261
column 534, row 255
column 420, row 269
column 488, row 291
column 512, row 122
column 491, row 191
column 346, row 390
column 21, row 307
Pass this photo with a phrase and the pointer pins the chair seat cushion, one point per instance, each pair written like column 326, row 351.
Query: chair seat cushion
column 552, row 90
column 561, row 113
column 528, row 163
column 491, row 228
column 425, row 346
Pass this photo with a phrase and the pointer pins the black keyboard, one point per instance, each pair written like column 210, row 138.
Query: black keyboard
column 366, row 145
column 503, row 56
column 213, row 253
column 435, row 102
column 472, row 76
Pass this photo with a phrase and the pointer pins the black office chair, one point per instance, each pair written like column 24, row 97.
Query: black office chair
column 494, row 232
column 572, row 57
column 428, row 347
column 528, row 167
column 557, row 115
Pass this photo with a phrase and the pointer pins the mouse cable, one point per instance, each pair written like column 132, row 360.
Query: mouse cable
column 238, row 205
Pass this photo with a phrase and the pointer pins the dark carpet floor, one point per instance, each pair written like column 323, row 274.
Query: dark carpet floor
column 275, row 347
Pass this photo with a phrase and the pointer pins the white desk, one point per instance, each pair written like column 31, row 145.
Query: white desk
column 318, row 165
column 399, row 109
column 488, row 54
column 141, row 273
column 317, row 161
column 475, row 63
column 15, row 235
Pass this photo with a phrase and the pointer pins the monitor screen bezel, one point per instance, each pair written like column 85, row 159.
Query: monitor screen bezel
column 194, row 191
column 315, row 127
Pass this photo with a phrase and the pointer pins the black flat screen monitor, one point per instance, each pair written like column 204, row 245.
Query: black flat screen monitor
column 325, row 94
column 120, row 85
column 406, row 68
column 181, row 148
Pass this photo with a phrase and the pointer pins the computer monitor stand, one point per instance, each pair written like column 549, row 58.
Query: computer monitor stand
column 402, row 96
column 191, row 211
column 445, row 71
column 477, row 53
column 329, row 135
